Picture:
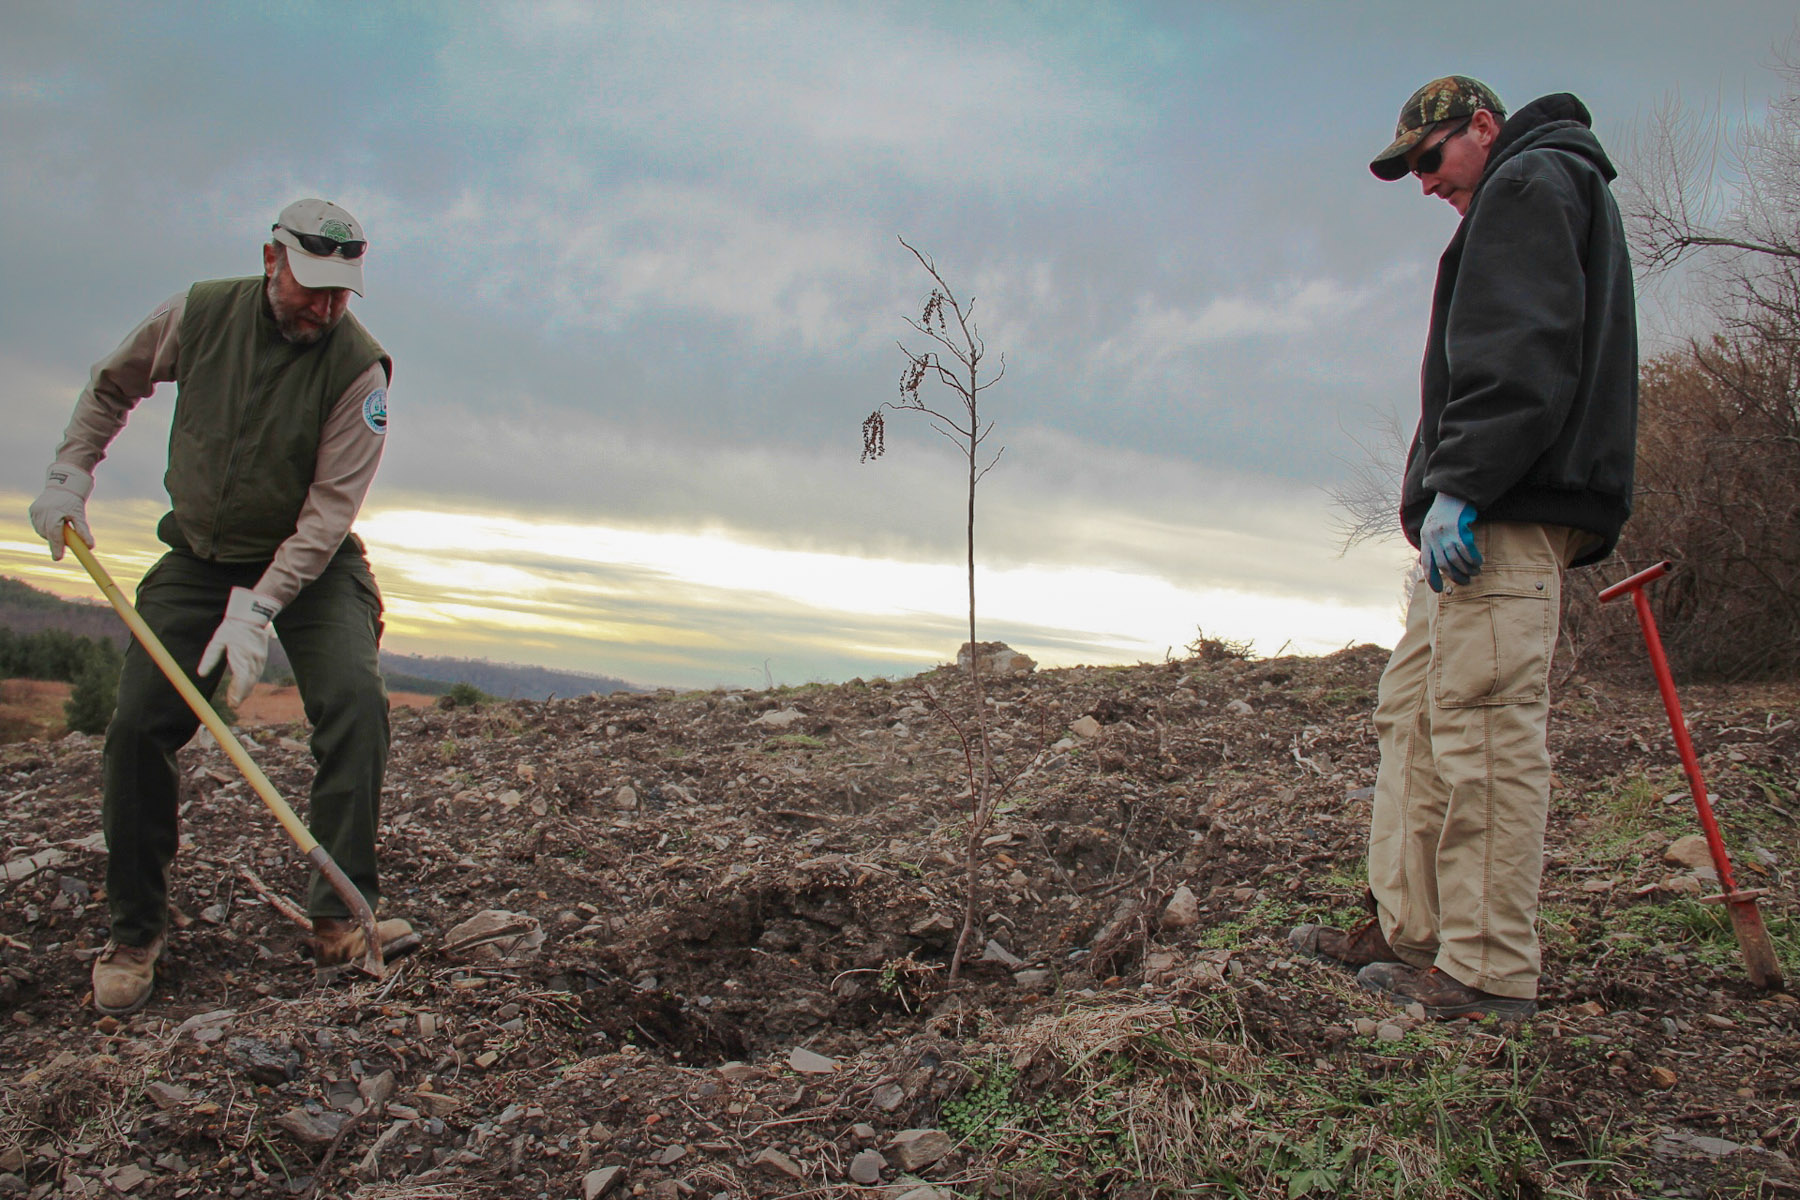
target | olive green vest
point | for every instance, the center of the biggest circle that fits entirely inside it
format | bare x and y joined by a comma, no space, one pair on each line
245,440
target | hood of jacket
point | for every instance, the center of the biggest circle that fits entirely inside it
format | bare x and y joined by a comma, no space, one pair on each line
1555,122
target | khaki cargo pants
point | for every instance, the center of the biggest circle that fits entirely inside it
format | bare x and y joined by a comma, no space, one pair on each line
1456,841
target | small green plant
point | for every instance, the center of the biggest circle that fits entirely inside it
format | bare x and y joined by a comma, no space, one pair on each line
908,981
90,704
992,1108
465,695
1313,1166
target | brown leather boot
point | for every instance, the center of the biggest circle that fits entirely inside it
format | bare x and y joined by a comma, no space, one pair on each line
1443,997
124,975
1356,947
339,940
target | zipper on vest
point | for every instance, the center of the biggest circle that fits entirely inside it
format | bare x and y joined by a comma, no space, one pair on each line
259,386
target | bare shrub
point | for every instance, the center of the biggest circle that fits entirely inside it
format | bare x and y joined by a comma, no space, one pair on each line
1719,495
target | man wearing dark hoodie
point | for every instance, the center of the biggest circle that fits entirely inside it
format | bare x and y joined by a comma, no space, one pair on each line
1521,466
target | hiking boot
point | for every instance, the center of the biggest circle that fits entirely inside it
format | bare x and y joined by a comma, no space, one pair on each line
124,975
1358,947
1443,997
339,940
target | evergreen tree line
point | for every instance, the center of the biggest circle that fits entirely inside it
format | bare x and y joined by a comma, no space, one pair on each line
90,664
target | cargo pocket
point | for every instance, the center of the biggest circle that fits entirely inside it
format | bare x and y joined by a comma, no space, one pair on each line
1493,638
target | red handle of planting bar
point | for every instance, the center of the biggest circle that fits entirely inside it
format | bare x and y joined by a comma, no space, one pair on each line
1665,683
1648,575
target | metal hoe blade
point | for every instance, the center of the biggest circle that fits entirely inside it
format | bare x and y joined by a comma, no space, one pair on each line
302,836
1760,962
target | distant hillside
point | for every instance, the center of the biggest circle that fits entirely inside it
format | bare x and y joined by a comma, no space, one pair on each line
509,681
25,609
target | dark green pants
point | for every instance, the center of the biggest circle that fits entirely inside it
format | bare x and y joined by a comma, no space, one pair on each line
330,632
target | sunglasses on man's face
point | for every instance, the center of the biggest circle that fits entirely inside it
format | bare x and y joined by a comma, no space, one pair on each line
324,247
1432,159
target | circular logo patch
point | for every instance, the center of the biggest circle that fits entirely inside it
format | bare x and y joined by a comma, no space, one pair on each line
375,411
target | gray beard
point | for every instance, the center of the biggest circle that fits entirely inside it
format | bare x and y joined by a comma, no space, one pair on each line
287,324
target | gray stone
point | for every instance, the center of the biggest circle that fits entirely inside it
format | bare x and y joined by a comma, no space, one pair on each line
1676,1141
994,952
376,1090
867,1166
596,1184
780,718
737,1072
1182,910
997,658
309,1129
265,1062
916,1149
495,934
888,1097
1033,980
808,1063
167,1095
625,799
774,1162
1690,851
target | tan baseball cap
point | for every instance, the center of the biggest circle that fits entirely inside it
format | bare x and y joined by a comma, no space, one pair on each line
325,244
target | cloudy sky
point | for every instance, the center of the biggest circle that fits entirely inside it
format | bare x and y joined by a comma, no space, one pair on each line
638,268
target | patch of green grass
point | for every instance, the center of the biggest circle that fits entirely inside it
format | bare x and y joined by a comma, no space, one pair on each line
1154,1100
1560,929
1630,818
1272,915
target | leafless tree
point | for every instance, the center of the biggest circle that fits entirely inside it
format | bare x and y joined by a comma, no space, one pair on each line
1368,500
1693,188
954,359
1719,423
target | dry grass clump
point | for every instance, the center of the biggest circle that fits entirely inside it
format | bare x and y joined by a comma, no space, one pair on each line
1154,1099
73,1096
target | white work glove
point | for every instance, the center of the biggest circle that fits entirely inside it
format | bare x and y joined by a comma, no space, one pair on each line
243,640
66,490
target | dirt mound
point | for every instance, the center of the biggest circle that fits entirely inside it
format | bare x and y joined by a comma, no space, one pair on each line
698,945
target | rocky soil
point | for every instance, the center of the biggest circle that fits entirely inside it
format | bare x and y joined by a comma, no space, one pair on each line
698,945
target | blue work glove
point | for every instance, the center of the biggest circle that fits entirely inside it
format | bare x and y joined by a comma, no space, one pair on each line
1447,542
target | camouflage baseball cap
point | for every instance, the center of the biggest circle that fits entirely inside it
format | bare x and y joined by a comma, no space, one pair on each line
1440,100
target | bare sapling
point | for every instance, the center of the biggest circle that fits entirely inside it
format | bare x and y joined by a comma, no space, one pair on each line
953,360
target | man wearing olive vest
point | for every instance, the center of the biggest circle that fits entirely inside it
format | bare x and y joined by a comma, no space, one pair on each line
280,417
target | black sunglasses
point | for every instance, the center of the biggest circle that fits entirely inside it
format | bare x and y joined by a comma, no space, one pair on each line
324,247
1433,158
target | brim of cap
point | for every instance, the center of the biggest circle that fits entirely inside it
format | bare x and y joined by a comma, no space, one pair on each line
310,270
1390,164
334,272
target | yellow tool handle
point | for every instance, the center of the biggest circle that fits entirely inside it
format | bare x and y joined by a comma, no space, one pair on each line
227,740
303,838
